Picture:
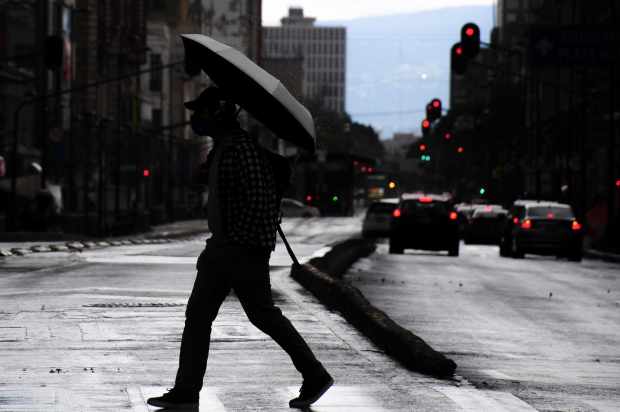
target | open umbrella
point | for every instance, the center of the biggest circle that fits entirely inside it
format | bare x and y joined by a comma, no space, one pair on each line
252,88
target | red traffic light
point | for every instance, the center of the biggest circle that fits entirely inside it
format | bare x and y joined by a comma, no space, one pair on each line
356,163
447,135
309,198
422,147
146,172
435,103
426,123
459,50
460,150
469,32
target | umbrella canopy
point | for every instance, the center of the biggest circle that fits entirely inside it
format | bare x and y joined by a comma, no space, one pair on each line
252,88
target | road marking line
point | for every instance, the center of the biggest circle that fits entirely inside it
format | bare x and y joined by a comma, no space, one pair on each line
208,398
498,375
474,400
343,399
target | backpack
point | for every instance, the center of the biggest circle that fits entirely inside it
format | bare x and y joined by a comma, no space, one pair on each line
282,180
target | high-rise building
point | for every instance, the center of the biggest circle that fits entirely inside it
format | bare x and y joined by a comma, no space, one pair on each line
323,50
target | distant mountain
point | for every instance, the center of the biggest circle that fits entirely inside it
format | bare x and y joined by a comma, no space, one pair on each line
387,57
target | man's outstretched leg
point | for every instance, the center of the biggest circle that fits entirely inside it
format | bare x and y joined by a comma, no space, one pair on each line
210,290
247,271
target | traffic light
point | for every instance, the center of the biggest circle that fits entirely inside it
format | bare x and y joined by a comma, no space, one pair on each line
191,68
429,111
422,148
460,150
435,109
458,63
392,185
425,158
53,52
470,40
426,127
146,172
447,136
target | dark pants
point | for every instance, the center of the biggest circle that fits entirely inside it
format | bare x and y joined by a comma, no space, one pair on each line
222,267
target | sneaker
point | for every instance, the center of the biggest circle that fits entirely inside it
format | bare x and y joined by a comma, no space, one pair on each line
311,391
175,399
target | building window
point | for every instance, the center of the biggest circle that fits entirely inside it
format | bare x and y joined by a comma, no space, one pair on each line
155,81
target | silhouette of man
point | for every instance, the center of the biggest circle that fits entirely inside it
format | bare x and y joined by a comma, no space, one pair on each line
243,222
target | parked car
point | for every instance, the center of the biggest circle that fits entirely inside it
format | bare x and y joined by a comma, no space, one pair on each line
547,229
377,220
426,222
465,212
293,208
517,209
484,225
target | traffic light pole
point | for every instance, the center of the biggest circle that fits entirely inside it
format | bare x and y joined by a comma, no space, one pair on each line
12,211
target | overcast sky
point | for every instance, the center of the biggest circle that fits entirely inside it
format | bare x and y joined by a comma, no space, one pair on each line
274,10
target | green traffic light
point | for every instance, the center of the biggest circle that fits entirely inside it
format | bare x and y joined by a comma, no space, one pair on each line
481,191
335,198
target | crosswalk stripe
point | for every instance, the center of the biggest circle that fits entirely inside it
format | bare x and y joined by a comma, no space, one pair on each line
474,400
209,400
344,399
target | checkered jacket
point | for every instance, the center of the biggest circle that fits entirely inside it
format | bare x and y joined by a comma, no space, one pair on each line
246,192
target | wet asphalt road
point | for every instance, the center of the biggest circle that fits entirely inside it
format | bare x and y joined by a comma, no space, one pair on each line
545,330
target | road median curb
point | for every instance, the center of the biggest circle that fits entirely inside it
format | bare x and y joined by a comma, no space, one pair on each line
395,340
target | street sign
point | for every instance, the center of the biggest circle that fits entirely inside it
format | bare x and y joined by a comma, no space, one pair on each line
574,45
575,163
57,151
560,162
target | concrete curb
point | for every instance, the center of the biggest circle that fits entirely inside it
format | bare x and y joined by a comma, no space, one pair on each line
595,254
395,340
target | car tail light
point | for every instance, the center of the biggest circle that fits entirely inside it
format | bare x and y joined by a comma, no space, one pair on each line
469,218
576,225
426,199
550,215
488,208
453,216
515,220
397,213
527,224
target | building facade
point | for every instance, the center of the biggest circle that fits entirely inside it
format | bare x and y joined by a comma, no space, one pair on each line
323,50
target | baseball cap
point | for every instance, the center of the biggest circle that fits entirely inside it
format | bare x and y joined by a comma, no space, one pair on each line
211,96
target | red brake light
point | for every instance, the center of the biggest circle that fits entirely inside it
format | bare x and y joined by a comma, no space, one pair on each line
469,218
576,225
550,215
364,169
488,208
515,220
426,199
396,213
453,216
527,224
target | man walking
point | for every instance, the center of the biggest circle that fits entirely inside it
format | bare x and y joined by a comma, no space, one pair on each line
243,221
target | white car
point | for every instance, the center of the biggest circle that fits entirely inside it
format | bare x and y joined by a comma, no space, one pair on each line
378,216
293,208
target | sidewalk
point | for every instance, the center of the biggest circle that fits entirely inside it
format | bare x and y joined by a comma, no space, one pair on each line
174,230
110,348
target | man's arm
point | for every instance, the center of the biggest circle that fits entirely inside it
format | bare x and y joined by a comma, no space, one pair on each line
201,171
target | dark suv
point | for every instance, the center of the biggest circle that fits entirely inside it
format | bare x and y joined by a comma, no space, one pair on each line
426,222
517,209
546,229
